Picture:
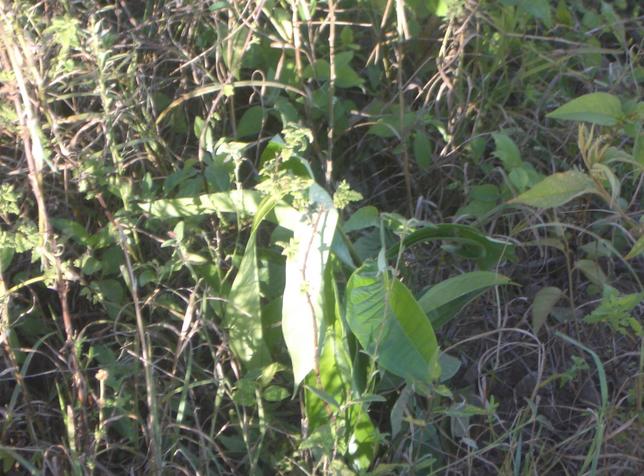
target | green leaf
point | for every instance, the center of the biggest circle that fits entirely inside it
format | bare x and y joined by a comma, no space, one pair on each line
637,249
347,77
275,393
542,306
487,252
603,109
306,259
593,271
6,256
243,202
71,229
519,178
557,189
615,310
449,366
485,193
251,122
422,150
337,380
446,299
243,312
389,125
390,325
539,9
364,217
507,151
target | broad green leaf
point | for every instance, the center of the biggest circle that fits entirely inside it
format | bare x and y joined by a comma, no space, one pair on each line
243,318
440,8
483,199
539,9
593,271
306,258
6,256
364,217
520,178
446,299
251,122
557,189
449,366
476,208
542,306
389,125
637,249
603,109
485,193
563,14
275,393
347,77
72,229
507,151
390,325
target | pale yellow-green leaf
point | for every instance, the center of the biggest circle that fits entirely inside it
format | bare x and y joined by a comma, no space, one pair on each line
557,189
597,108
592,271
304,271
637,249
542,305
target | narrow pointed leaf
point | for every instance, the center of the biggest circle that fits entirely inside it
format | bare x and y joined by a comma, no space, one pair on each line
243,312
446,299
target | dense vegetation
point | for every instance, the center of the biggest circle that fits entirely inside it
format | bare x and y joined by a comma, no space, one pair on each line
321,237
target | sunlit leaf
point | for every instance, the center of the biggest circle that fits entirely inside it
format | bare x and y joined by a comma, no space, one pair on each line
487,252
364,217
306,259
337,382
446,299
507,151
637,249
598,108
390,325
243,202
243,319
557,189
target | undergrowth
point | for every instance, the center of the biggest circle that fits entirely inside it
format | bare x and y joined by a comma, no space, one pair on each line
302,237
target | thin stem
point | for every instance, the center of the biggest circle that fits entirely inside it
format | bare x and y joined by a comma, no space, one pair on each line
332,77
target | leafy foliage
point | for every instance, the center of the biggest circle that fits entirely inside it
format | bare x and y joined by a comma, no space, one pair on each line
308,237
